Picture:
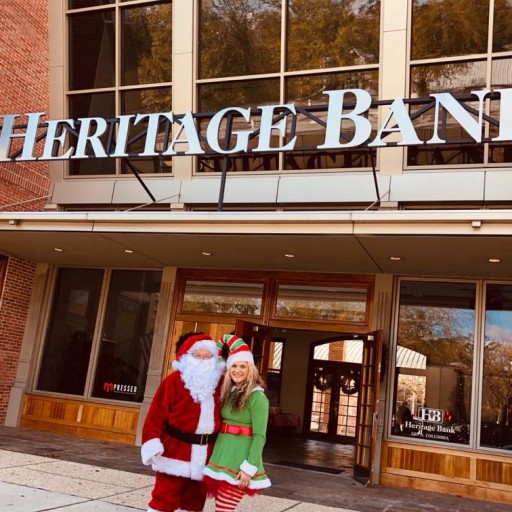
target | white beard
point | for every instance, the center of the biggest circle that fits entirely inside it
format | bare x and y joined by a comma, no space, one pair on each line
200,376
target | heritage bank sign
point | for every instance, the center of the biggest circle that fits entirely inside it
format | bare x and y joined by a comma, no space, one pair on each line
345,124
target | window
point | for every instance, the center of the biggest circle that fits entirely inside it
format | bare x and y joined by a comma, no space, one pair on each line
219,297
120,62
496,419
122,351
275,370
458,47
434,361
68,343
256,63
326,303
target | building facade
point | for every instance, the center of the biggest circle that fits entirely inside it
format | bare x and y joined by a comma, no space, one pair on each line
371,279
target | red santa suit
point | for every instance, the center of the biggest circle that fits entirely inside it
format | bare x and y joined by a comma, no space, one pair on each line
169,443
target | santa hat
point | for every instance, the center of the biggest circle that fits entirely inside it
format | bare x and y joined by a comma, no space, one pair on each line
194,343
236,348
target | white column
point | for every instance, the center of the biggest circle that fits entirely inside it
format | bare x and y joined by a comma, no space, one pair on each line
159,345
183,73
393,76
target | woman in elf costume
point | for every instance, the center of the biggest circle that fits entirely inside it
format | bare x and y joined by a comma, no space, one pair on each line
236,466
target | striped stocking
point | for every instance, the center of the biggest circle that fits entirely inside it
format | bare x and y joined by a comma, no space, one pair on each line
228,498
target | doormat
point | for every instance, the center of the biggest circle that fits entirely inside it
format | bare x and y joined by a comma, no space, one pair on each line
321,469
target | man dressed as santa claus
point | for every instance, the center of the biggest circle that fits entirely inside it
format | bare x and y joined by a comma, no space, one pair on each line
182,424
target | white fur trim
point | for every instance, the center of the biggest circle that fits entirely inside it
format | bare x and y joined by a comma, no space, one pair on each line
260,484
171,466
192,469
209,345
206,422
205,425
248,468
152,510
245,355
198,461
253,484
150,449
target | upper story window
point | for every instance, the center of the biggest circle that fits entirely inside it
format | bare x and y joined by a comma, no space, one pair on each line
120,63
459,47
254,53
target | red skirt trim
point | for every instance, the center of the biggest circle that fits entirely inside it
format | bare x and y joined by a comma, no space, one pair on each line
213,486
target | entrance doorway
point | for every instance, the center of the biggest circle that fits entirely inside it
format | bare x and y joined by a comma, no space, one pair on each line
333,392
328,385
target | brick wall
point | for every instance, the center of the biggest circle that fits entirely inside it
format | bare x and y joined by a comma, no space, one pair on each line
24,185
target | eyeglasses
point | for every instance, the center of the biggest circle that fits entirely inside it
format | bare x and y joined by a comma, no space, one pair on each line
202,356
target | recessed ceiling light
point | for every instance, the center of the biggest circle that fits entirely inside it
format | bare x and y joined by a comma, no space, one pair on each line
289,255
395,258
128,251
494,260
206,253
58,249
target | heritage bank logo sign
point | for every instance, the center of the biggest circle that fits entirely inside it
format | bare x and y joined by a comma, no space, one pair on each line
344,122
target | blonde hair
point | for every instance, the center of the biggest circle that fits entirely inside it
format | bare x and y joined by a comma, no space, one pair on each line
241,393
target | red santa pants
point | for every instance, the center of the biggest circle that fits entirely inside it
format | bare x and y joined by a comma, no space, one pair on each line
174,492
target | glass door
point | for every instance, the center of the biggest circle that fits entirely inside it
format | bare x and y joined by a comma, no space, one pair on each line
257,336
334,392
368,411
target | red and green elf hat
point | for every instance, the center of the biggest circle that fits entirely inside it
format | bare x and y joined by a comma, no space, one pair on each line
238,350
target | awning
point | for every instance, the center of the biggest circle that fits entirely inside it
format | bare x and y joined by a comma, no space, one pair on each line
430,243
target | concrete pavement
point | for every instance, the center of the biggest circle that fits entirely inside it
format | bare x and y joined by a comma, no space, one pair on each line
30,483
43,471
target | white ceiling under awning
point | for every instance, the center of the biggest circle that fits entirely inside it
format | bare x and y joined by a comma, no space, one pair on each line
439,243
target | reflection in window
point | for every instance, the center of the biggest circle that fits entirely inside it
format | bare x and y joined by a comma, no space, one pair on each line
501,77
239,37
81,4
274,371
146,101
308,91
252,93
129,45
349,351
445,28
146,45
434,361
332,33
127,335
91,105
457,78
248,94
496,419
223,297
502,26
321,303
93,68
68,343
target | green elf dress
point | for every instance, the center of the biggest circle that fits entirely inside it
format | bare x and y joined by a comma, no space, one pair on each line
235,452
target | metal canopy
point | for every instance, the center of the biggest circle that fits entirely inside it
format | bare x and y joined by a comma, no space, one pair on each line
444,244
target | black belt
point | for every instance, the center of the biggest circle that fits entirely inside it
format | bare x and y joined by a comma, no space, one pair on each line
189,438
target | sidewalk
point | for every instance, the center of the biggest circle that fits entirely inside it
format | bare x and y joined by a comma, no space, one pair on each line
29,483
44,471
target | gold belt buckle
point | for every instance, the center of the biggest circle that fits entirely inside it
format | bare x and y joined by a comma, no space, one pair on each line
204,439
